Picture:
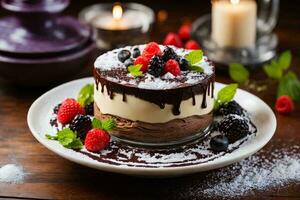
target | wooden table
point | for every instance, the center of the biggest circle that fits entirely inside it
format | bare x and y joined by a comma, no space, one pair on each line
52,177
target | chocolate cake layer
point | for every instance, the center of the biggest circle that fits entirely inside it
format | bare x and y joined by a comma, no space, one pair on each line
174,130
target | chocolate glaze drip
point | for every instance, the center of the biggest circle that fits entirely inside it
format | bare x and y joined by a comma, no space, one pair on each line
172,96
204,103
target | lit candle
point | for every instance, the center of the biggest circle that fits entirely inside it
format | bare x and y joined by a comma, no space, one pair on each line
234,23
119,20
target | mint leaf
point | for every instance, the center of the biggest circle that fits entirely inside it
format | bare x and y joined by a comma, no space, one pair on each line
75,144
96,123
135,70
289,85
194,57
66,136
285,59
86,95
238,73
51,137
227,93
196,68
108,124
273,70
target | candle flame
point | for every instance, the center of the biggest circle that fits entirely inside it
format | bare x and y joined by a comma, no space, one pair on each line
117,11
234,2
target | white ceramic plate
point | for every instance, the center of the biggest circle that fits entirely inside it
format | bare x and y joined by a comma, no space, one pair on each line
41,110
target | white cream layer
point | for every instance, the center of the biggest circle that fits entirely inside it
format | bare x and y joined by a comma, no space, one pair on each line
136,109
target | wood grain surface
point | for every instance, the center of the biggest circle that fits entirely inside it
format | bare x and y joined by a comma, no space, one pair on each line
49,176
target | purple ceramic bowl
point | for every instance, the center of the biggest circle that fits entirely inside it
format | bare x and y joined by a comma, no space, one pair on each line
48,70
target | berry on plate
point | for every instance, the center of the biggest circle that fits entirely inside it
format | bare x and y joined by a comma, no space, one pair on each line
172,66
184,32
284,104
81,124
68,110
96,140
151,49
234,127
143,61
192,44
231,107
219,143
173,39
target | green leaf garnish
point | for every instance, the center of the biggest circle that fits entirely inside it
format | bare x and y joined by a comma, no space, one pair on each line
51,137
238,73
285,59
86,95
196,68
106,124
194,57
67,138
135,70
276,68
273,70
96,123
225,95
289,85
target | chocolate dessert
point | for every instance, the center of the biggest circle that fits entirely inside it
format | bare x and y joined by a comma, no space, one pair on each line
156,94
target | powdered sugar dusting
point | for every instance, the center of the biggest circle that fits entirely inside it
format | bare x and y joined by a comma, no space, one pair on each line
263,171
11,173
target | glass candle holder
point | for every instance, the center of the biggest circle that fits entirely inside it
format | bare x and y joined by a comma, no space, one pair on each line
119,25
234,43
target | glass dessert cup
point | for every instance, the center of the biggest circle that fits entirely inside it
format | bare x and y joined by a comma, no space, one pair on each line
154,110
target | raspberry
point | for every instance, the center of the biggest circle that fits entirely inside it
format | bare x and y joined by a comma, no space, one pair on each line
184,31
68,110
192,44
156,66
169,53
96,140
173,39
172,66
143,61
151,50
233,127
81,124
284,104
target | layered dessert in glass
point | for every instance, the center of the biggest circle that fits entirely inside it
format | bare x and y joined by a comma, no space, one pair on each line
158,95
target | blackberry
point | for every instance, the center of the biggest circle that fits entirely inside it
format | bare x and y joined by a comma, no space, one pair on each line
231,108
81,124
89,109
184,64
219,143
169,53
56,108
234,127
156,66
128,62
136,52
124,55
